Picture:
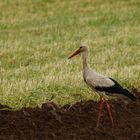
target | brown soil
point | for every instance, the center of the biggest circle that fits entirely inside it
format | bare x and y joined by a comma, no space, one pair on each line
76,122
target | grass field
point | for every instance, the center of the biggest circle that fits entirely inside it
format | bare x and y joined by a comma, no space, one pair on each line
37,36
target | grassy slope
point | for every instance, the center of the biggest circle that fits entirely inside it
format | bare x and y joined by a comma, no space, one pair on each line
37,36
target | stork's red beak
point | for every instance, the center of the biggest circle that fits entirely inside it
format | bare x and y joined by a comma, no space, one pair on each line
75,53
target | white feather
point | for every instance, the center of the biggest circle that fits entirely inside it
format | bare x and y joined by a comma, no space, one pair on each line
94,79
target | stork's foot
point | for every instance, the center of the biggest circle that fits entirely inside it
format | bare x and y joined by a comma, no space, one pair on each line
110,113
100,113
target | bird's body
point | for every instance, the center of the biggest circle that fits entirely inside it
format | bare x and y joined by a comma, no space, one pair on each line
102,84
94,79
105,85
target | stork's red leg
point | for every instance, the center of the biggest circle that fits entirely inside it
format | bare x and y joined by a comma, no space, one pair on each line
100,111
110,113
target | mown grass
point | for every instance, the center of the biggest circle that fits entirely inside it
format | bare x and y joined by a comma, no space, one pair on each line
36,38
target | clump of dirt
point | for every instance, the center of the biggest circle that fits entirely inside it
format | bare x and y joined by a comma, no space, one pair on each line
76,122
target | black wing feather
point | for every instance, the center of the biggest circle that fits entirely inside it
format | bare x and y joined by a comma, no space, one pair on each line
116,88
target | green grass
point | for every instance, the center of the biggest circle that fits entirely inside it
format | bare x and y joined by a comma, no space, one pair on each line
37,36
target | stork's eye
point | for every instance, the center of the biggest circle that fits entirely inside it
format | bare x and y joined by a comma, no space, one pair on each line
80,47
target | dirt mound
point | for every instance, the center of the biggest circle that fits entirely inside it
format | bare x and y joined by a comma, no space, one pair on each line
76,122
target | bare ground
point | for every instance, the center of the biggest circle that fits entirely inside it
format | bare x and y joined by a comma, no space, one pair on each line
76,122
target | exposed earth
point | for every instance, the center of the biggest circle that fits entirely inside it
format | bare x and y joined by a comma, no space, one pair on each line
76,122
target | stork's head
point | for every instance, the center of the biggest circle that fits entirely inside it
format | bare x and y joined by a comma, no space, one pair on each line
81,49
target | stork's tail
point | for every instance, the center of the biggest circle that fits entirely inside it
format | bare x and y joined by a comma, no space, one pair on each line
129,95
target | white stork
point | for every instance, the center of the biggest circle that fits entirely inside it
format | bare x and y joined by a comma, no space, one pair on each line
103,85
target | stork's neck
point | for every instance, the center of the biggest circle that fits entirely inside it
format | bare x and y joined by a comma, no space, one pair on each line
85,59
